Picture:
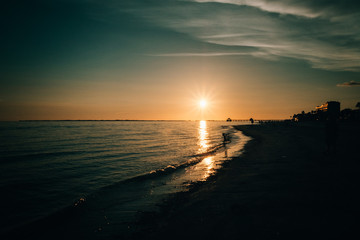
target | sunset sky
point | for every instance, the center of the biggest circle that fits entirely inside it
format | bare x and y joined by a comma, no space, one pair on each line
157,59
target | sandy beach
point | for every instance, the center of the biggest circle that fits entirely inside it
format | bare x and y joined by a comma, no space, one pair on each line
284,186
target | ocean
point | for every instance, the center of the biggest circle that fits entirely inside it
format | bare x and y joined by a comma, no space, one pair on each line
110,170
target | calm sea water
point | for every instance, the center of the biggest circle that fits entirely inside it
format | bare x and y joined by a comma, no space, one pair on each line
116,167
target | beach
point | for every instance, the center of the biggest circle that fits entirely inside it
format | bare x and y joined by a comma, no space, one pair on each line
284,186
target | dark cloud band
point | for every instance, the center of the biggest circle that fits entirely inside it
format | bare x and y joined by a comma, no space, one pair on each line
349,84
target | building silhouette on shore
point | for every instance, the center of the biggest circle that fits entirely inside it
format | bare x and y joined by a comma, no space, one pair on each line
324,111
331,107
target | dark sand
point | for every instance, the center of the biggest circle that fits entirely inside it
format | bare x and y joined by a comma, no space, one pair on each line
282,187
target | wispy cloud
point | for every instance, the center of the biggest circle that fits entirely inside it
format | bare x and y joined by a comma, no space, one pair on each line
281,7
349,84
194,54
324,33
301,8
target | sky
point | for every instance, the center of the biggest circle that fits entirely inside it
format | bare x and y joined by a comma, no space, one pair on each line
157,59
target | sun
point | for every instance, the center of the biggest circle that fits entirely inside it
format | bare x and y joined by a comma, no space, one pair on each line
203,103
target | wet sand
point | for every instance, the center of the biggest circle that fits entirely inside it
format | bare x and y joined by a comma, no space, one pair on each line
282,187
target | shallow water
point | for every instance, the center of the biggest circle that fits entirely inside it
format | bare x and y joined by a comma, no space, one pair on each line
116,167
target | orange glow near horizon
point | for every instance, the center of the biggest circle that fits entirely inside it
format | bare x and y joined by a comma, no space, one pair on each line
111,102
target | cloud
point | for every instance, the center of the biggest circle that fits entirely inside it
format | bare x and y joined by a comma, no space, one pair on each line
194,54
302,8
327,43
281,7
216,54
324,33
349,84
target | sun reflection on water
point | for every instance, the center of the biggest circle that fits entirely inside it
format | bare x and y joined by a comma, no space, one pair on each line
203,137
207,164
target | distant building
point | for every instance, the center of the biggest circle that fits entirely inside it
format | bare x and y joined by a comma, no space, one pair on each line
328,110
331,107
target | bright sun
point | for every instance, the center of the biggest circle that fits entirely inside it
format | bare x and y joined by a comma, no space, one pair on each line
202,103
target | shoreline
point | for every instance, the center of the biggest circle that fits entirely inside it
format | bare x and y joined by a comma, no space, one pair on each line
283,186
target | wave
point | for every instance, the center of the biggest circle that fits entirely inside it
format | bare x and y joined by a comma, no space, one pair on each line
194,159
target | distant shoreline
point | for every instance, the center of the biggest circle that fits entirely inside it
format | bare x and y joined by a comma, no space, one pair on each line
141,120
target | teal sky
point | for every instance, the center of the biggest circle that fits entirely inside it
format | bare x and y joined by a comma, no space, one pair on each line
156,59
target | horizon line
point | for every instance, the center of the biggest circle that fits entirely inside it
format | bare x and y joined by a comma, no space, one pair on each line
129,120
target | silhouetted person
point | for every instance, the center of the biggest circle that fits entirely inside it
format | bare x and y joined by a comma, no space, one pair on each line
252,121
331,129
225,137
